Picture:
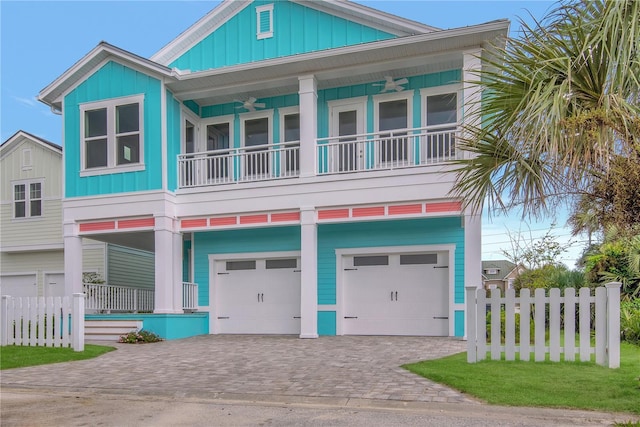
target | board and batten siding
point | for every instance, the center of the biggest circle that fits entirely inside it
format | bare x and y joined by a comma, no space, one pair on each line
130,267
296,29
114,80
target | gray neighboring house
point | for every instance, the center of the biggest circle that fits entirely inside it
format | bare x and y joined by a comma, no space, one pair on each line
500,274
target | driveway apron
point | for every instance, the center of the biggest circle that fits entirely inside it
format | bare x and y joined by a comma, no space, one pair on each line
338,367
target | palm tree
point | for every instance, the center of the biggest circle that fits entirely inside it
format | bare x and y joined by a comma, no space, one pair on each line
559,103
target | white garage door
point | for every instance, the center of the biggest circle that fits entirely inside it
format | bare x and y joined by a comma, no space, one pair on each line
23,285
258,296
396,294
54,284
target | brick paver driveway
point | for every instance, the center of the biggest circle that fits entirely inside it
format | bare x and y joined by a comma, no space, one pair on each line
227,365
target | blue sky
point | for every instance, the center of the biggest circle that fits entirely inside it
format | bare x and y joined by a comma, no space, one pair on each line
39,40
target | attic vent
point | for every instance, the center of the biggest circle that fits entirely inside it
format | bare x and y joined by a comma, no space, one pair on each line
264,19
27,161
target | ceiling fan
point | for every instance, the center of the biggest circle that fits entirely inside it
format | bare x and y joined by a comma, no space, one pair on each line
250,104
390,84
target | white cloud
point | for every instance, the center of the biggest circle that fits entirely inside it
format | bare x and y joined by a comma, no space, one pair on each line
30,102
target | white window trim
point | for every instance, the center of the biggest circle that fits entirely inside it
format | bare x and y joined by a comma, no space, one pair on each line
27,199
111,105
283,112
266,34
386,97
189,115
217,120
441,90
256,115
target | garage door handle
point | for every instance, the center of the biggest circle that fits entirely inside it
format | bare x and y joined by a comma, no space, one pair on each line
223,317
441,317
440,266
350,317
222,273
350,269
296,317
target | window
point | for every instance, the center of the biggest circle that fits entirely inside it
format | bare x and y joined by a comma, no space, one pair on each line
27,200
264,21
441,119
272,264
370,260
218,138
290,133
415,259
256,137
112,136
241,265
393,112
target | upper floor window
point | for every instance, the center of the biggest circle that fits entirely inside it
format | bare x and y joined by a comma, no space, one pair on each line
264,20
27,199
112,135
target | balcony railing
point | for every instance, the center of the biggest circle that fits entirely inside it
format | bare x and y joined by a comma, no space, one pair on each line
103,298
256,163
386,150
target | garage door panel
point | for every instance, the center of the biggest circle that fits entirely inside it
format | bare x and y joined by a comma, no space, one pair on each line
20,285
405,296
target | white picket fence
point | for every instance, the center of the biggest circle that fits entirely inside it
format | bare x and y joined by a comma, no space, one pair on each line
40,321
607,325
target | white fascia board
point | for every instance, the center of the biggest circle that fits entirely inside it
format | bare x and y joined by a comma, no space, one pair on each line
51,95
471,32
198,31
368,16
20,137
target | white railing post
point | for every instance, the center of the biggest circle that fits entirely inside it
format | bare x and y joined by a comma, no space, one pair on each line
471,323
4,320
601,325
613,324
77,319
481,323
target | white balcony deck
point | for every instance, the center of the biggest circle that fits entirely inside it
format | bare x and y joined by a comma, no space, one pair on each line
403,148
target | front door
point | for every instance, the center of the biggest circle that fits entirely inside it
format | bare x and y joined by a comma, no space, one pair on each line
347,122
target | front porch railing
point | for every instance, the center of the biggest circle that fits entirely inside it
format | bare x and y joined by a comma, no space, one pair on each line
395,149
189,296
256,163
103,298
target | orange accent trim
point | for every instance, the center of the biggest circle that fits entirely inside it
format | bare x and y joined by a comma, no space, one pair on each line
192,223
333,213
444,207
405,209
285,216
98,226
136,223
370,211
227,220
254,219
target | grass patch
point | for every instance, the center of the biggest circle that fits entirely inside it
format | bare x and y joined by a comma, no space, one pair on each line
578,385
14,356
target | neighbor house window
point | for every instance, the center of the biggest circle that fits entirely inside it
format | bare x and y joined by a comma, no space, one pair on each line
112,135
27,199
264,21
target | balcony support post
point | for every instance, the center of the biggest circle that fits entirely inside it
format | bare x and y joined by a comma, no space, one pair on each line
168,256
72,259
308,91
309,279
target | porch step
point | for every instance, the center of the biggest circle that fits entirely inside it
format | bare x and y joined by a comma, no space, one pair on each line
109,330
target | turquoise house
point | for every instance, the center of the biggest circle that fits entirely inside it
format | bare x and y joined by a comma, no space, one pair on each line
289,164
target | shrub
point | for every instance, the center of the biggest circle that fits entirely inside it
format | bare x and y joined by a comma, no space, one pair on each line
140,336
630,321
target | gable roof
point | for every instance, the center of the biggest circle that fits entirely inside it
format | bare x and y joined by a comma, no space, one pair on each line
503,268
17,138
341,8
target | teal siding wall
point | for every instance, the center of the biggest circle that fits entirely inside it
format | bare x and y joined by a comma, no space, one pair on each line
431,231
111,81
459,325
326,323
174,138
238,241
167,326
297,29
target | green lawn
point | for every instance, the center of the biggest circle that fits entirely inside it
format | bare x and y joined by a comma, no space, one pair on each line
20,356
579,385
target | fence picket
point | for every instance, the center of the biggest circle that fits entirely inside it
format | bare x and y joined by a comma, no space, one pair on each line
570,324
584,305
495,324
471,323
601,325
65,312
40,322
481,319
510,325
554,325
539,325
525,325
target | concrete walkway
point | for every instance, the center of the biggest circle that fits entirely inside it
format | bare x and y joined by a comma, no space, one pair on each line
267,367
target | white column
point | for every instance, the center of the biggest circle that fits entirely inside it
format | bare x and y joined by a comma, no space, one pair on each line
165,254
309,279
308,91
472,249
471,64
72,259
